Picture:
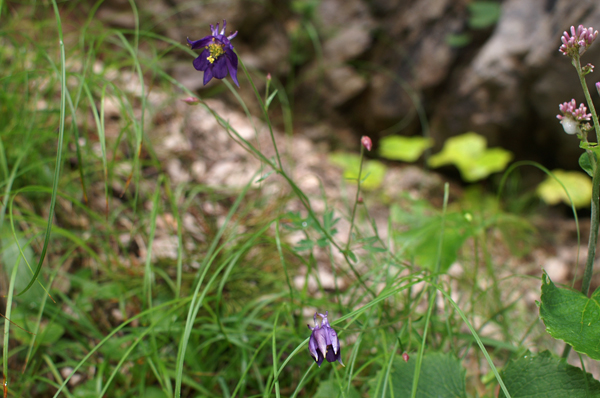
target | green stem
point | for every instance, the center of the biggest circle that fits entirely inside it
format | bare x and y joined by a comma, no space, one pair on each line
362,158
589,265
593,242
588,98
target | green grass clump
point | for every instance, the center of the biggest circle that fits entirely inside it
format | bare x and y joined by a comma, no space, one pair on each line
94,313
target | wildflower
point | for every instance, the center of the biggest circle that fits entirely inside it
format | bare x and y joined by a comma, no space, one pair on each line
572,116
405,356
191,100
366,142
587,69
578,41
324,342
217,57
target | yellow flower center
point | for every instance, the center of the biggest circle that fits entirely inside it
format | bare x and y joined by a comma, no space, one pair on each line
216,50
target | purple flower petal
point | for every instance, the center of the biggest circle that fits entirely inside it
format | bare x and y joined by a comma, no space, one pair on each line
201,63
200,43
207,75
232,64
320,339
219,68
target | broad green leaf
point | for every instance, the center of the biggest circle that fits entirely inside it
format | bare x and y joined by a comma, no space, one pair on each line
572,317
421,241
584,163
48,333
372,174
407,149
578,184
469,153
331,389
11,256
442,376
534,376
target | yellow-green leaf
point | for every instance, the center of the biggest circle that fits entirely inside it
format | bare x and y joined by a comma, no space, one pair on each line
578,184
407,149
469,153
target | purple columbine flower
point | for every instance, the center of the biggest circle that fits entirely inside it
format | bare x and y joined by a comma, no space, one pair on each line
572,116
324,342
578,41
217,58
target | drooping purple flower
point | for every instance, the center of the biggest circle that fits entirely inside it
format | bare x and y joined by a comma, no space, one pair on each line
217,57
324,342
578,41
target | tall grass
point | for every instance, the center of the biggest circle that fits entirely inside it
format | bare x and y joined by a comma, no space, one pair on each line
96,314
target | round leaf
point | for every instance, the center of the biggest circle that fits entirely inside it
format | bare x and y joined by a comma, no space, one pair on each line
576,183
406,149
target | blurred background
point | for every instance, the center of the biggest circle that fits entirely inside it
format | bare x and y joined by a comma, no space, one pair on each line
410,67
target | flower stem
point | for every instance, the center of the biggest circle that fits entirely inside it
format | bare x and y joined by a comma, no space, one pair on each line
362,158
589,265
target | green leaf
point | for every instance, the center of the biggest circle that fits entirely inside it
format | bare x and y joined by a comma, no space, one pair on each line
543,375
483,14
304,244
373,171
48,333
11,256
585,164
350,255
407,149
268,101
469,154
458,40
577,184
572,317
331,389
442,376
421,241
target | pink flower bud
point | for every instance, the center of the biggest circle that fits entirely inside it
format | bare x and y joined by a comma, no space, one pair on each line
598,87
405,356
268,76
191,100
366,142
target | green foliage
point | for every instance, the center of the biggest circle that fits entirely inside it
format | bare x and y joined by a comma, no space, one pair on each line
469,153
441,376
421,241
483,14
544,375
458,40
572,317
227,316
331,389
585,164
577,184
373,171
406,149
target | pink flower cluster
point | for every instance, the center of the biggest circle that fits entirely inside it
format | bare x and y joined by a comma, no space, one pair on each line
578,41
570,110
